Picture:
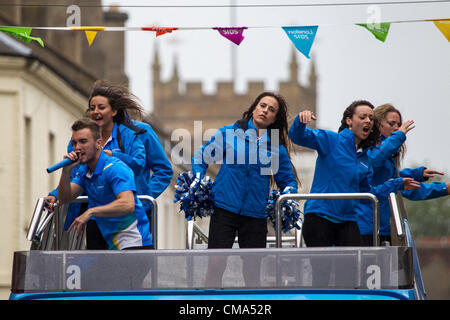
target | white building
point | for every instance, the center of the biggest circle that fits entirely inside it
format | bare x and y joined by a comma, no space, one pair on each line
38,107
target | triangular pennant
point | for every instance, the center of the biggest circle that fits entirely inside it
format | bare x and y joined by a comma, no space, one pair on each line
159,30
90,36
233,34
302,37
444,26
90,32
21,33
379,30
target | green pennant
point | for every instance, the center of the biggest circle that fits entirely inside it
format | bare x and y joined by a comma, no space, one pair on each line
21,33
379,30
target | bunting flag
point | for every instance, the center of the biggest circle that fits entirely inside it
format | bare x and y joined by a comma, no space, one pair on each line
233,34
379,30
90,36
302,37
444,26
159,30
91,32
21,33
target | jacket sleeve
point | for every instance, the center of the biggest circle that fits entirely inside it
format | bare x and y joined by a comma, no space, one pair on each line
285,176
426,191
134,155
208,153
388,148
416,173
383,190
316,139
158,163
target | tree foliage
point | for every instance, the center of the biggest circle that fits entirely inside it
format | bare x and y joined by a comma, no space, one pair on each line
429,218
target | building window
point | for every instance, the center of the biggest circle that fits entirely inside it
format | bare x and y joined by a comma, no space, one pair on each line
27,162
51,159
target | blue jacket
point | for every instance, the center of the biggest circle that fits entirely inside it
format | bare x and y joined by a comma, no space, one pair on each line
339,169
156,161
133,155
242,185
382,160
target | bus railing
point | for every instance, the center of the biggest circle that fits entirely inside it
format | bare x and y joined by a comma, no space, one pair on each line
195,235
326,196
393,202
46,226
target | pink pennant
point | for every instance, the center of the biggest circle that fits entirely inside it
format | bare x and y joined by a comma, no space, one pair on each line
233,34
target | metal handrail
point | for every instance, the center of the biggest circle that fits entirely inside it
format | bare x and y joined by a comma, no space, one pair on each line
154,218
41,229
404,234
192,230
37,225
396,215
37,213
327,196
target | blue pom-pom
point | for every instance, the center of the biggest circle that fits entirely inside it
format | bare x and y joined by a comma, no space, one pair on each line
194,195
290,213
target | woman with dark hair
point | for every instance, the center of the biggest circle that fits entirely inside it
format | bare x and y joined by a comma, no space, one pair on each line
112,107
341,167
124,107
252,150
280,121
385,161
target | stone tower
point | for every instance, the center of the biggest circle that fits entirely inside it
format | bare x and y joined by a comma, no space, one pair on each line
176,110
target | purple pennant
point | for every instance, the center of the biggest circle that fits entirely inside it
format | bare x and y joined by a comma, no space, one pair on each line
232,34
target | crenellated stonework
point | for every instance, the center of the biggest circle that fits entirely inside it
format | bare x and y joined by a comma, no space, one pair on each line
178,109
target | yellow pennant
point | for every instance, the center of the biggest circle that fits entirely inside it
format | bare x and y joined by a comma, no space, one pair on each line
91,32
444,26
90,35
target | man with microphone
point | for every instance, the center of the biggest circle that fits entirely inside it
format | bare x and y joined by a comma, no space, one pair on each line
109,184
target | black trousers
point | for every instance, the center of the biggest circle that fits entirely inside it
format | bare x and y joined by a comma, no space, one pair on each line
251,232
94,238
224,225
320,232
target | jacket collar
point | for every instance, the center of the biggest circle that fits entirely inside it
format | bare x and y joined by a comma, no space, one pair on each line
250,124
246,125
348,134
99,166
114,131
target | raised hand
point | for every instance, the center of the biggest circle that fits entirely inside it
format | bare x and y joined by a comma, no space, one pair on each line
410,184
429,173
306,116
407,126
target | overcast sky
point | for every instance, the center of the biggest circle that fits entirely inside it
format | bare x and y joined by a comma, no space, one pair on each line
410,70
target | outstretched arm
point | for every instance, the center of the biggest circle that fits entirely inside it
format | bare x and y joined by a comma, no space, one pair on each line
316,139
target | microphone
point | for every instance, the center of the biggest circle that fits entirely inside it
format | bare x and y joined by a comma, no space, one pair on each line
59,165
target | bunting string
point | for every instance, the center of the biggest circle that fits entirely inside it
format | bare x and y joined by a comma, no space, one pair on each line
125,28
301,36
267,5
